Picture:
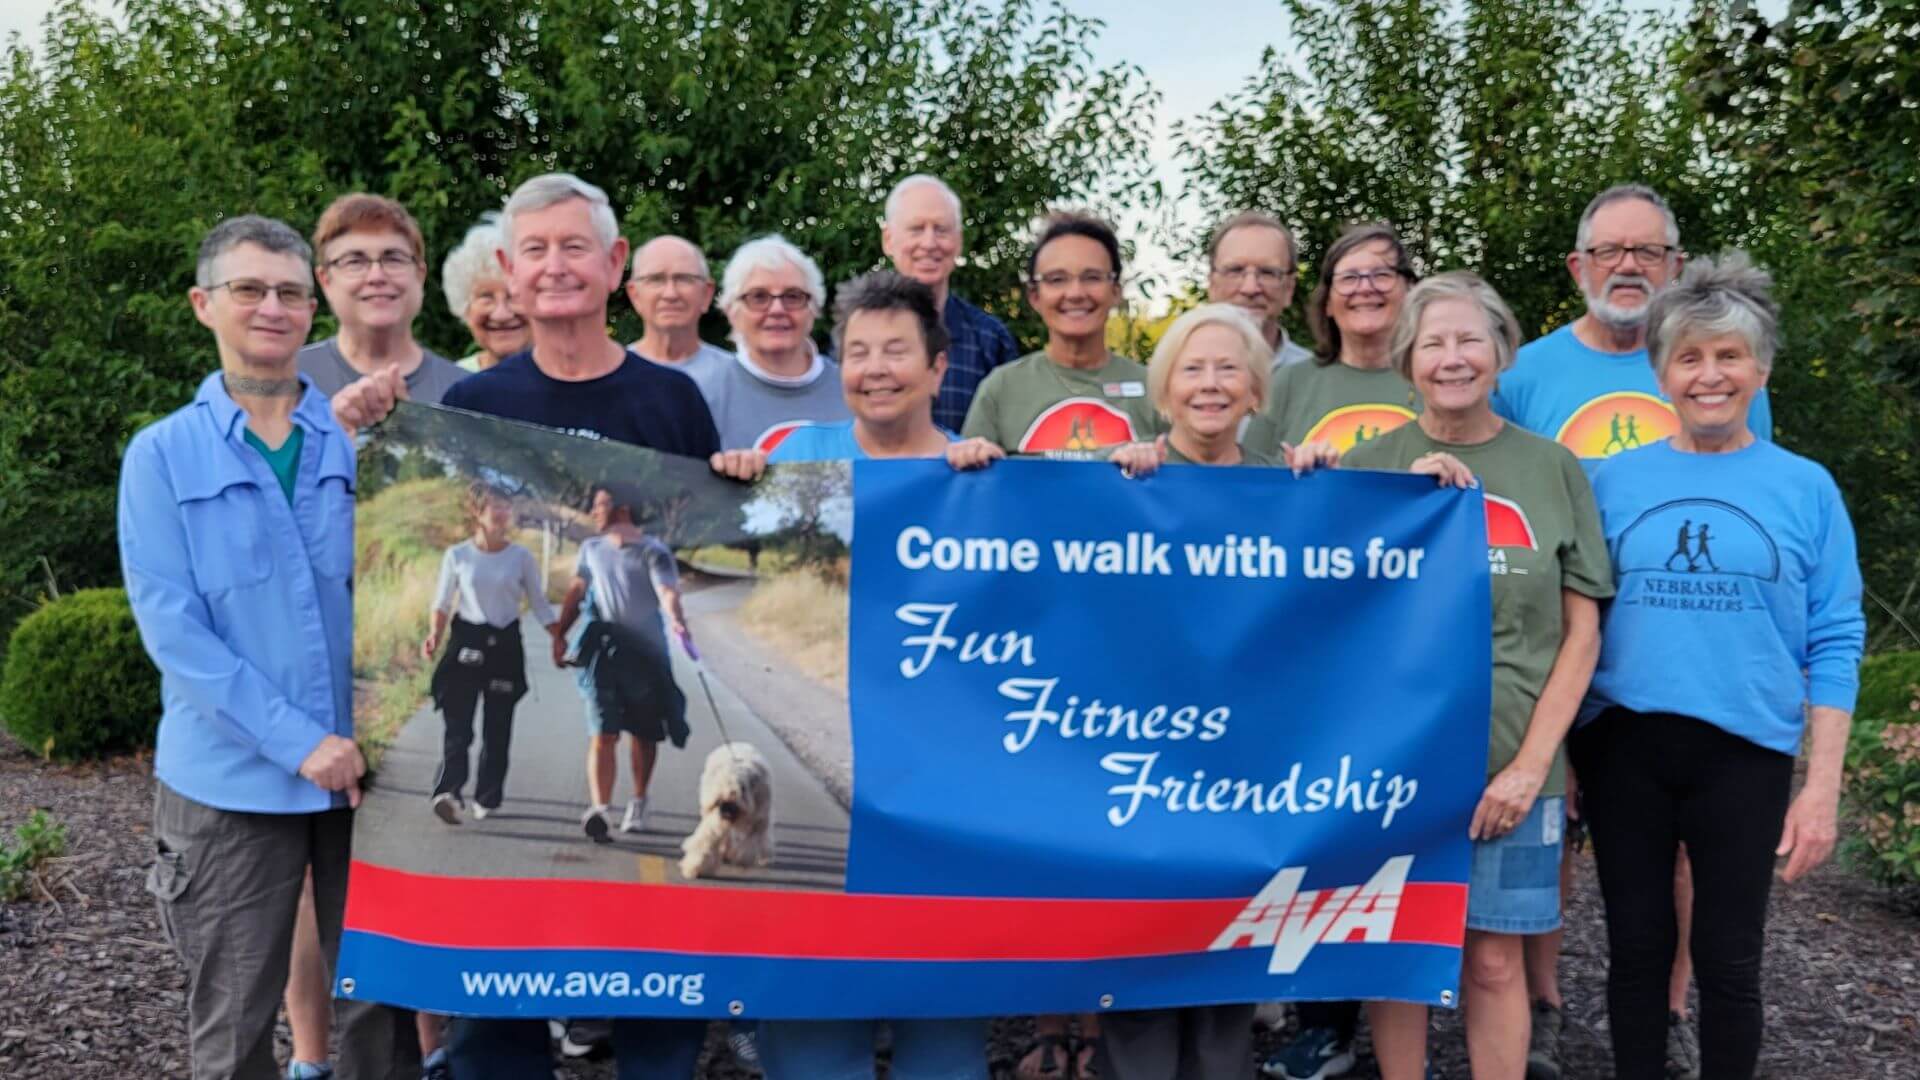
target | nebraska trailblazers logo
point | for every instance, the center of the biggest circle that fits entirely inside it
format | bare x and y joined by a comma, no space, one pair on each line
1610,423
777,434
1291,922
1351,425
1077,423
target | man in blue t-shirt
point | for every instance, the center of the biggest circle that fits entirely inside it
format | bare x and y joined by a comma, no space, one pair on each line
564,256
1588,385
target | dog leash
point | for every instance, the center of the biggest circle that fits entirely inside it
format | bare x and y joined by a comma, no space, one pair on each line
700,669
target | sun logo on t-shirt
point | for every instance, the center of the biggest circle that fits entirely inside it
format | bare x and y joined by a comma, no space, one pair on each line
1078,424
1351,425
777,434
1611,423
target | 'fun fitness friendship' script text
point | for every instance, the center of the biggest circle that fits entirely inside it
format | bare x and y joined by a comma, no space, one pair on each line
1127,733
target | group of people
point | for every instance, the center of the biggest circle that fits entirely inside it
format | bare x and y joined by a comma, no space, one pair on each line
1683,691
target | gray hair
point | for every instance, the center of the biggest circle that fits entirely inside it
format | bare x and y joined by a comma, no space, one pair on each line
266,233
698,255
770,253
473,262
1251,219
885,290
917,180
1583,235
1732,296
551,189
1259,354
1502,327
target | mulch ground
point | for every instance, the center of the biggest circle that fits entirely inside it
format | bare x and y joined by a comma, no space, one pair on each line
88,989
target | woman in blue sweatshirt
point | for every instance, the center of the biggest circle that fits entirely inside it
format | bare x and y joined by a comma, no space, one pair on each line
1736,630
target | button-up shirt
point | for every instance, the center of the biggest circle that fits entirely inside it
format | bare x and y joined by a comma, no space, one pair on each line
244,599
980,343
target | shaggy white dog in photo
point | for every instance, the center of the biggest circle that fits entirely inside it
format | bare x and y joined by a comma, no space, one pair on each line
736,813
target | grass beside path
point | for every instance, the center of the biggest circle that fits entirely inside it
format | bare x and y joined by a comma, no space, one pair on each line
805,617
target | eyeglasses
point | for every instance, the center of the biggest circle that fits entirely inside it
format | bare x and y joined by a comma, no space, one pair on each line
1060,279
1644,254
354,265
1268,277
1379,280
678,281
792,299
249,293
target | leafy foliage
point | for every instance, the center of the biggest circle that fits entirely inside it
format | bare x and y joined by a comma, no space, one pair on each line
715,119
1883,770
36,841
77,683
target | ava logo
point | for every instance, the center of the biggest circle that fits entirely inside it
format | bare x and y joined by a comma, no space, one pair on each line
1292,922
1698,538
777,434
1351,425
1077,424
1610,423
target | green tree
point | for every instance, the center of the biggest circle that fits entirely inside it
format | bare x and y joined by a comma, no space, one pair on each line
715,119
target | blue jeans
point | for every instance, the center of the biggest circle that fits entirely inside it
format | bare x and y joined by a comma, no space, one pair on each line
517,1049
843,1049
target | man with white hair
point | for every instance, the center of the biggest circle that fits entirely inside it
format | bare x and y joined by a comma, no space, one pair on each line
776,381
922,235
563,258
1588,385
670,289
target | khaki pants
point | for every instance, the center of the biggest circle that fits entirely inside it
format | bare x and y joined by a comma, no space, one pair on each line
228,888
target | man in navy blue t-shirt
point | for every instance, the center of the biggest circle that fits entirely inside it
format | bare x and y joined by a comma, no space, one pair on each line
564,258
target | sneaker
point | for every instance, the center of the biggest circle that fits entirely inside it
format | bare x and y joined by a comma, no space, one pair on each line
586,1038
745,1049
594,821
437,1066
309,1070
480,812
446,807
1271,1015
1543,1052
1314,1054
1683,1048
635,819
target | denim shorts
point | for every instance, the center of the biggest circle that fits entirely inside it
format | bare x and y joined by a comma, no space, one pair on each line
1514,887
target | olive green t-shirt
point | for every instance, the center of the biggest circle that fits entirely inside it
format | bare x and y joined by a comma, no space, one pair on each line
1247,456
1342,404
1035,406
1543,535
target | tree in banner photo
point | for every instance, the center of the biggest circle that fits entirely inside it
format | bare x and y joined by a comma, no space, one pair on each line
656,742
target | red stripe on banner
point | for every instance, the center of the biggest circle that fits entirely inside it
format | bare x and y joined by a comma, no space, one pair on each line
491,913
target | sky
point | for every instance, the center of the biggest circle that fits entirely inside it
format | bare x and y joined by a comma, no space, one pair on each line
1194,53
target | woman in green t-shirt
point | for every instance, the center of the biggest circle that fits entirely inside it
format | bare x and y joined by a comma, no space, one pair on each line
1550,570
1350,392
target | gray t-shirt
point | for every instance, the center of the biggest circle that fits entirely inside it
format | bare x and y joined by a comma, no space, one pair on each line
621,579
705,366
330,372
754,409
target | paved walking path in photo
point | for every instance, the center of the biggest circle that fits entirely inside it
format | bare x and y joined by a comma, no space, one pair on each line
537,833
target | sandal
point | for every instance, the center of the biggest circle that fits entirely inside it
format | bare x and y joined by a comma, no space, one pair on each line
1055,1059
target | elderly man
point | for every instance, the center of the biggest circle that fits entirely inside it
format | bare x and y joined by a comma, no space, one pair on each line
236,540
1588,385
1254,264
563,257
922,235
670,289
372,265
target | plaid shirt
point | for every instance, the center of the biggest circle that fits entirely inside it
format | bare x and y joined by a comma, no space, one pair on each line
980,344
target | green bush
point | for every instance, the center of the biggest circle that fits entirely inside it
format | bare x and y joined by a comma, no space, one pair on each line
36,841
1883,770
77,682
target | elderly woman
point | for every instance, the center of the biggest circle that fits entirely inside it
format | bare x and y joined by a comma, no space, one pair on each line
1452,340
771,292
893,350
1074,398
1737,627
1350,392
477,294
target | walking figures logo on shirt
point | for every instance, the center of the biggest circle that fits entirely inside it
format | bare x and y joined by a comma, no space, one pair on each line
1507,527
1076,426
1351,425
1690,555
1611,423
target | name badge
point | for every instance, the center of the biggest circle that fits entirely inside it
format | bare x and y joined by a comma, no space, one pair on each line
1132,388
